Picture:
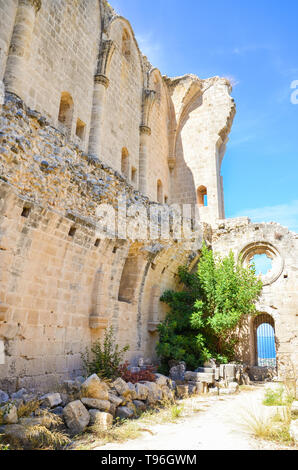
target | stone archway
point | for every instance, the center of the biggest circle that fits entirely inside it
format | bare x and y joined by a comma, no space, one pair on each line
263,341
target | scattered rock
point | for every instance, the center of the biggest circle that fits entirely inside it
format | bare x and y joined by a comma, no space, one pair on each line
9,414
177,372
182,391
103,420
234,387
76,416
123,412
117,401
93,387
140,405
51,400
121,387
141,391
161,380
154,393
103,405
57,411
3,397
133,393
19,394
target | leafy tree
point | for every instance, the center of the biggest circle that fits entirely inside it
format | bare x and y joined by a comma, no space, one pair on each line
204,315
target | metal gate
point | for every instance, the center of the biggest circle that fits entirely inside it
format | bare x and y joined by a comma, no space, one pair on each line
265,341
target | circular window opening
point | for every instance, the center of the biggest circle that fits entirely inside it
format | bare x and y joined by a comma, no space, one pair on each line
265,258
262,264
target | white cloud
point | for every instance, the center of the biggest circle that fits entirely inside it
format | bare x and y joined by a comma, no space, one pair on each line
284,214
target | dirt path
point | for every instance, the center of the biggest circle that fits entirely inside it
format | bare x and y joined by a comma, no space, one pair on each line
214,424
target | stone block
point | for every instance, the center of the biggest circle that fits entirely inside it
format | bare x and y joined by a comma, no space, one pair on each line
76,417
123,412
93,387
103,405
50,400
103,420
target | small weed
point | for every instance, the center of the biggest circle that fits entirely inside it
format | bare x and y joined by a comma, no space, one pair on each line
277,397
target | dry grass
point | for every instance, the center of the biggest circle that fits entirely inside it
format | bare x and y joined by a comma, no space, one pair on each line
40,437
275,429
25,409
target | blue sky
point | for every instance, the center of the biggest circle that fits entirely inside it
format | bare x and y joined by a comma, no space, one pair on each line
255,44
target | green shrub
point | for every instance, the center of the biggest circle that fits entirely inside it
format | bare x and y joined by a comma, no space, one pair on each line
105,358
277,397
205,313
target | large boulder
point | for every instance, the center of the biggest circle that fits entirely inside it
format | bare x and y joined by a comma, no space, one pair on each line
141,391
9,414
177,372
139,405
103,420
121,387
93,387
182,391
161,380
167,393
115,400
76,417
3,397
133,393
154,393
124,412
51,400
19,394
103,405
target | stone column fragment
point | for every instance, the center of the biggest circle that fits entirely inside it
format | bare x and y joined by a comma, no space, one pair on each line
149,97
15,73
101,83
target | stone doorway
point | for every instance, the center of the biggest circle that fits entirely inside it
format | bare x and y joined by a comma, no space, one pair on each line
264,341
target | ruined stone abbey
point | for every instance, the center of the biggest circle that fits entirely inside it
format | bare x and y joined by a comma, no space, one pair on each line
85,118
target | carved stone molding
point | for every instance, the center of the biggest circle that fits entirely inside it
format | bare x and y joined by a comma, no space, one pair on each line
149,97
153,326
172,162
104,59
34,3
145,130
102,80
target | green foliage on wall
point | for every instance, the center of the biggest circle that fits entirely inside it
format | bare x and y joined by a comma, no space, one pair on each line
204,315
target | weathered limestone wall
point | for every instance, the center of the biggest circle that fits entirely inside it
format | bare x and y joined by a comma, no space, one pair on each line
158,167
123,102
58,55
60,285
279,296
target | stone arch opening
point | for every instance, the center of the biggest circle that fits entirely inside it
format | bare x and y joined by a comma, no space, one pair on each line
202,196
66,109
159,192
125,162
126,44
264,340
